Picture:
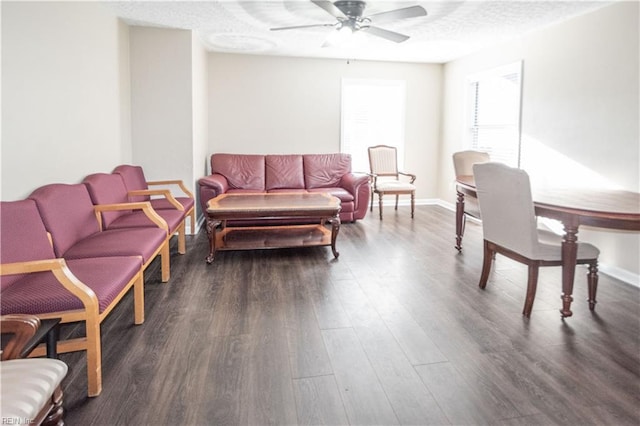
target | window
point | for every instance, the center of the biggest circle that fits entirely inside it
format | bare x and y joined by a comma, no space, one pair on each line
373,113
494,113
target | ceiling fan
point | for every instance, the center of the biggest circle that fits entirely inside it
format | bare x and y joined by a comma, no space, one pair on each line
349,14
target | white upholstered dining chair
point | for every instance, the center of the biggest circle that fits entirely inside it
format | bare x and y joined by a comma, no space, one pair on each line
509,228
386,178
463,162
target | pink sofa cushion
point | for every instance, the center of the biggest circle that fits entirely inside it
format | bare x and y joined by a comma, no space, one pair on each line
284,171
67,213
133,178
107,188
242,171
23,236
41,292
325,170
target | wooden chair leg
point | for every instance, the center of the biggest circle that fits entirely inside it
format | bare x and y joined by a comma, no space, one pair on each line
192,215
94,354
413,203
165,262
182,241
138,300
371,204
592,280
486,265
56,413
380,203
532,285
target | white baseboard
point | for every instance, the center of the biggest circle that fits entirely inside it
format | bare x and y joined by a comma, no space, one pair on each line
620,274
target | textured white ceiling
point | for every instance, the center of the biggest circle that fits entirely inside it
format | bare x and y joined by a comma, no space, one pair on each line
450,30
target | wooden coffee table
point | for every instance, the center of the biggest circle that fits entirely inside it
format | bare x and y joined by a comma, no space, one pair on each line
313,208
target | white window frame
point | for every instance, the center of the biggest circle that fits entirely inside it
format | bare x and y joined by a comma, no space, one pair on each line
356,139
506,149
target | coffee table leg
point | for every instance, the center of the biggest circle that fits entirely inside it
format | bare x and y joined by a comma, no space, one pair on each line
335,228
212,225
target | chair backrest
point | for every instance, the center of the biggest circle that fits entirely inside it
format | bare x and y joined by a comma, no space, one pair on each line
383,160
506,205
23,236
134,180
463,161
67,213
105,188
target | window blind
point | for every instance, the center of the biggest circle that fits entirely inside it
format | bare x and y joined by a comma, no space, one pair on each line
495,113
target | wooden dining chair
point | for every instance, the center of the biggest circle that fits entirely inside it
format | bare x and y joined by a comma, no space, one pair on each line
509,228
385,176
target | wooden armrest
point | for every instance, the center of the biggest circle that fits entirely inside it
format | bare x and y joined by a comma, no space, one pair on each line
411,175
173,182
145,206
62,273
164,192
23,327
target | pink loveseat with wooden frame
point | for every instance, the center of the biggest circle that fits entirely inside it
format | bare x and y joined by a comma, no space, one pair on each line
37,280
330,173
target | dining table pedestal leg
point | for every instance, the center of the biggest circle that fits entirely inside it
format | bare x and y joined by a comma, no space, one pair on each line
569,258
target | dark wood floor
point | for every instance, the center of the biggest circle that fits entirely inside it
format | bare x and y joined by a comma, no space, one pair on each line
394,332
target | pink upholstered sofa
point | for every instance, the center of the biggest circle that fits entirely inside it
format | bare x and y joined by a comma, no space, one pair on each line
330,173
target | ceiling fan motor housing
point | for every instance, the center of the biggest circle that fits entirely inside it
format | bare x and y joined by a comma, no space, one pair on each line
351,8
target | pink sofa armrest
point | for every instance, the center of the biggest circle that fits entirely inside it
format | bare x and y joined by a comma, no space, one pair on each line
352,181
211,186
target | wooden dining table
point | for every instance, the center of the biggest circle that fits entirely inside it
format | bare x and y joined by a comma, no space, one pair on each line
600,208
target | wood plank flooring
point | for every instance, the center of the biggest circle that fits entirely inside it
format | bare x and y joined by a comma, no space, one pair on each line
395,331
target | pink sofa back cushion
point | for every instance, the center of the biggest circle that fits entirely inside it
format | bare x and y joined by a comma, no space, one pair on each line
107,188
242,171
133,177
23,236
325,170
67,213
284,171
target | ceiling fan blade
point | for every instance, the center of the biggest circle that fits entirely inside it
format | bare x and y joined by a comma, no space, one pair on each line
386,34
302,26
330,8
391,15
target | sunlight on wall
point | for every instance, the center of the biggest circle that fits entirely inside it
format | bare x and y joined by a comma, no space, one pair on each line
548,167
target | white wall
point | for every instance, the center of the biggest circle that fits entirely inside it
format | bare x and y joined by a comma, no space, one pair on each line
200,112
64,91
263,105
579,111
161,102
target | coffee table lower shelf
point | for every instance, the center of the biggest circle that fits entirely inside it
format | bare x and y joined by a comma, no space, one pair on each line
272,237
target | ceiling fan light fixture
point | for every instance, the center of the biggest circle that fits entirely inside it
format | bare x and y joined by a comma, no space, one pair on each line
342,35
